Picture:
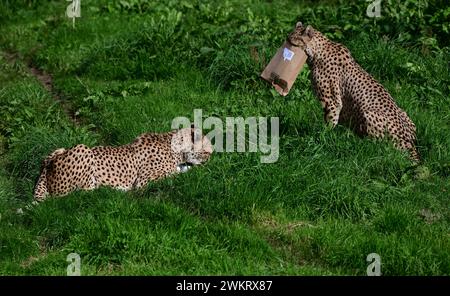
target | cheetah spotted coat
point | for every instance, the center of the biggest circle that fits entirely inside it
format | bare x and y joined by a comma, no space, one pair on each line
149,157
351,96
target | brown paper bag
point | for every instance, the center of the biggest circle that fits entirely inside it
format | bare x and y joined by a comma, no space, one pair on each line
284,67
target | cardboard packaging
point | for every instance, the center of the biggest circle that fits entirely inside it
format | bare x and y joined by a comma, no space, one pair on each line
284,67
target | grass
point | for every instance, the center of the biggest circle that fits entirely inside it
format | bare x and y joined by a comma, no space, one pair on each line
331,199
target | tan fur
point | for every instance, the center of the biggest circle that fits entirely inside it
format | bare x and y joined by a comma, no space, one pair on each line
149,157
351,96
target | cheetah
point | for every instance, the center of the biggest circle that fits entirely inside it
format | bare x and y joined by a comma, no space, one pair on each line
351,96
151,156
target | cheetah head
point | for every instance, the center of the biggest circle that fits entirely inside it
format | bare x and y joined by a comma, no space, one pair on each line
194,147
307,38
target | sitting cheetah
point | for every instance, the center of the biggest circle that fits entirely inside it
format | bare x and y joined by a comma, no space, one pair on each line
151,156
349,95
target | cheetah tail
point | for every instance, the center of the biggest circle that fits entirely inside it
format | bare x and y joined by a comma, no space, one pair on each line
415,157
409,130
41,190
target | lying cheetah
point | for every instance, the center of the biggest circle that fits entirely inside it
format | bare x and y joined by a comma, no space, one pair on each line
349,95
151,156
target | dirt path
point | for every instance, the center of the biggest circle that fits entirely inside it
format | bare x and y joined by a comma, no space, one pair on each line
45,79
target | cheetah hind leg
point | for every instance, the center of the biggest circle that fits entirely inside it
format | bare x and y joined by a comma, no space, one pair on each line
372,124
376,125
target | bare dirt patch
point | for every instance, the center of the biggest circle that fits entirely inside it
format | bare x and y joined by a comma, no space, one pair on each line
46,80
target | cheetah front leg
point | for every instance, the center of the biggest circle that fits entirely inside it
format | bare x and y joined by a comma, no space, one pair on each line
331,113
332,105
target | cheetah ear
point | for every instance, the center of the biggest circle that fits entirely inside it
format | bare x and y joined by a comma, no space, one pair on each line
309,31
298,25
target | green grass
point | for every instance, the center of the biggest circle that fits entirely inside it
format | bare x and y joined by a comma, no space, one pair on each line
331,199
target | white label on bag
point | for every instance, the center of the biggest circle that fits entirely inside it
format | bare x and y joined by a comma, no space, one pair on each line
288,54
